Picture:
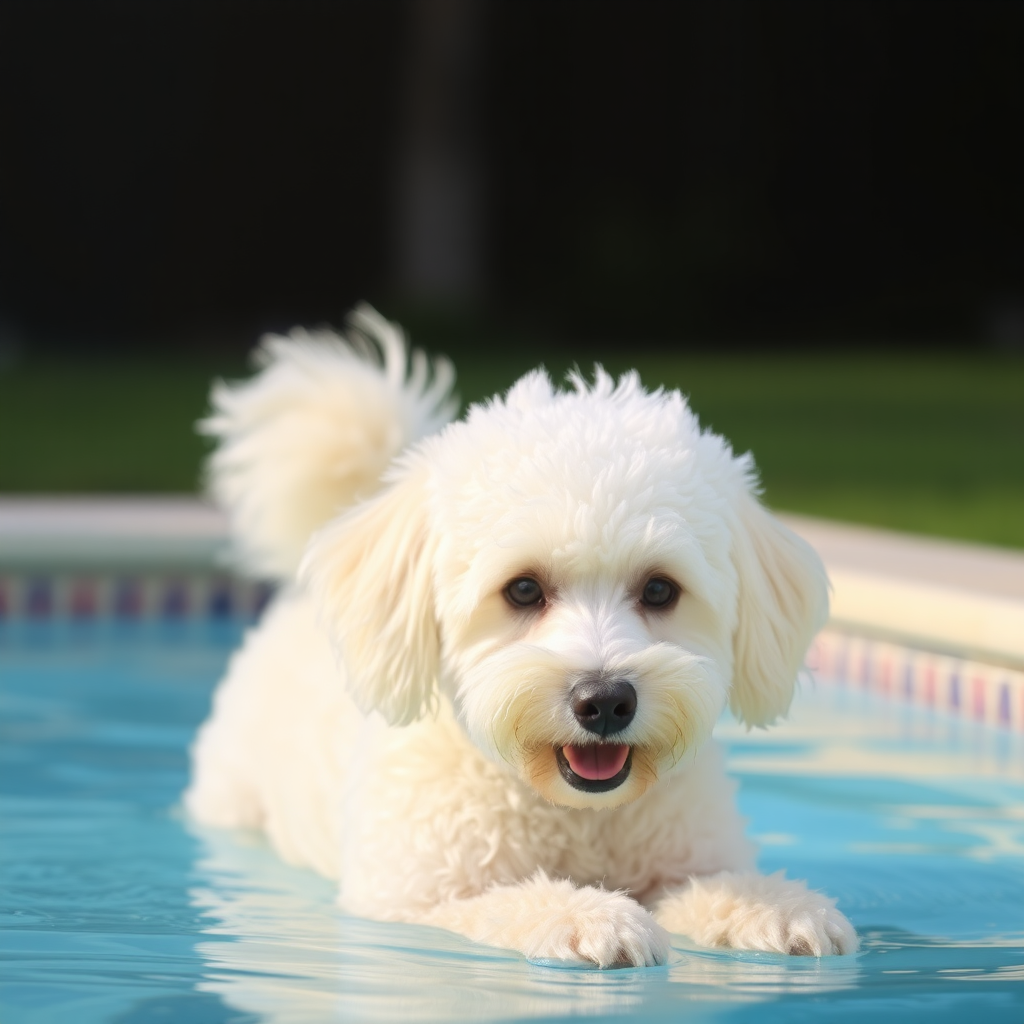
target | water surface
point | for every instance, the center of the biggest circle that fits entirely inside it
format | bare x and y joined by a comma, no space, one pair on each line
115,909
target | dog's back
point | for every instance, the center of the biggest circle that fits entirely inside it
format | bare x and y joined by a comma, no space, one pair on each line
314,431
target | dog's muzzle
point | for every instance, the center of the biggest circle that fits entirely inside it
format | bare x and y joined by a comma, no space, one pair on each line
603,707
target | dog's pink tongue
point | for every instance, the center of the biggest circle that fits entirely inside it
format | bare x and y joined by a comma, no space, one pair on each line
598,761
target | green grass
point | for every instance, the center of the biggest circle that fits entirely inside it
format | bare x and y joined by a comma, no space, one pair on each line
103,425
926,443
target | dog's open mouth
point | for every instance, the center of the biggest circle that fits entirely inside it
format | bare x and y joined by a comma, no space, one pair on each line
596,767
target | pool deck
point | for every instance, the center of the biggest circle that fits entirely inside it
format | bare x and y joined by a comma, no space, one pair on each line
110,532
962,599
965,599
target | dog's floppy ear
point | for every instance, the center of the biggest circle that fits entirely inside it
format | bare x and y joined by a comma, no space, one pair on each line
783,602
371,576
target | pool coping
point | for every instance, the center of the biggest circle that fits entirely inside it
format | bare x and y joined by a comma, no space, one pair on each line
92,533
948,596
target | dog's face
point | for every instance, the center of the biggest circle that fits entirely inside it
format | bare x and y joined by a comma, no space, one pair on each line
586,575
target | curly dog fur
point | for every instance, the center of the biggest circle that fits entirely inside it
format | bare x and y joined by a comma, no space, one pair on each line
484,696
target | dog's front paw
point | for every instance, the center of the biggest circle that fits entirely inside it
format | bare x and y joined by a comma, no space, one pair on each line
548,919
770,913
604,928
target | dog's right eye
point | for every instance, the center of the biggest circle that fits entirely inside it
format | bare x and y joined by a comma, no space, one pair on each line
524,592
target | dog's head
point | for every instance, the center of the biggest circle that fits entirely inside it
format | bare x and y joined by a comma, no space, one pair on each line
585,574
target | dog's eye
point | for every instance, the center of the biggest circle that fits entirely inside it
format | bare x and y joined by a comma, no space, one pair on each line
658,592
524,592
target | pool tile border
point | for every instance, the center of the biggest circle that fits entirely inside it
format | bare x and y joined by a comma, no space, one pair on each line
966,689
128,595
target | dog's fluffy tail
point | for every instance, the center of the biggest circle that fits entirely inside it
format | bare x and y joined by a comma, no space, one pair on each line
314,430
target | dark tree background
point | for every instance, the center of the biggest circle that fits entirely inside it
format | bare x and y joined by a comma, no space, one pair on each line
711,172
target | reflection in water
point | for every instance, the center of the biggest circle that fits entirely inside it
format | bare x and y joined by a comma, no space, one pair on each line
296,958
754,977
846,733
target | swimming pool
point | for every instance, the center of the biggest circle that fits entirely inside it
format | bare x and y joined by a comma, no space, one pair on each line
115,908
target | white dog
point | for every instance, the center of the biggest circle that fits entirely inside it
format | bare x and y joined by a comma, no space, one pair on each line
484,700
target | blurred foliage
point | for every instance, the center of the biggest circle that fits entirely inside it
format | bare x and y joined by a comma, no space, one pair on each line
103,424
932,443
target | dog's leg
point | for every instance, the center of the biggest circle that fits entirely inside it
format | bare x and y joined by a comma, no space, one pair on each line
552,919
766,912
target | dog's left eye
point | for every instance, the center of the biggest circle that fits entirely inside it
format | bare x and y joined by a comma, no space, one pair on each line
524,592
658,592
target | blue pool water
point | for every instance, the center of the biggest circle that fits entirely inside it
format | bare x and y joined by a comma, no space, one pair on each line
114,908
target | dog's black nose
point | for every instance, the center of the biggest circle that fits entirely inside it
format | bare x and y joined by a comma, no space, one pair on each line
604,706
